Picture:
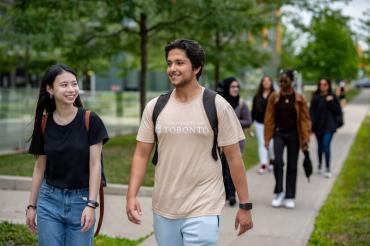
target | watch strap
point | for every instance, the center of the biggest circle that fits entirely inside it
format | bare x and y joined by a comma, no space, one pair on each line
245,206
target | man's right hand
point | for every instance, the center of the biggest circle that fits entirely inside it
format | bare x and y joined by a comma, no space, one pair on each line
133,210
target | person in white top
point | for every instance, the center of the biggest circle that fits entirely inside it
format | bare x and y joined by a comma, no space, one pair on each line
188,193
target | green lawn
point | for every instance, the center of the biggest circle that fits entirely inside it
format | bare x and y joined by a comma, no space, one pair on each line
345,217
118,154
16,234
352,93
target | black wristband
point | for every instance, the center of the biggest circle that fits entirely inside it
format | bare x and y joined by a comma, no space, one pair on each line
246,206
31,206
93,203
88,205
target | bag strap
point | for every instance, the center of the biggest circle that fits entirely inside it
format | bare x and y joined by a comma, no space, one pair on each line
101,190
87,120
101,209
44,119
159,105
209,104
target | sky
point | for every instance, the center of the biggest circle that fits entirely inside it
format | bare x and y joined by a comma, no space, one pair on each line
354,9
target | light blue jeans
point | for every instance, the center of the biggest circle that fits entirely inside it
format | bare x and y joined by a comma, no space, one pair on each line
198,231
59,216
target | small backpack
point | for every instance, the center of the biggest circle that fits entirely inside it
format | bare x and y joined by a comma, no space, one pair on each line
103,182
211,112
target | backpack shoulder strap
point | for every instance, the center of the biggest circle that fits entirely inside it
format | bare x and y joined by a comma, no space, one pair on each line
87,120
159,105
209,104
102,181
44,119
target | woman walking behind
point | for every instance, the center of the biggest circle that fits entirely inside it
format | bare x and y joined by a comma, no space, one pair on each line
287,121
67,172
325,109
260,99
231,92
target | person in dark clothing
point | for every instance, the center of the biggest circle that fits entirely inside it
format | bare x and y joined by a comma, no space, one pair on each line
67,172
325,108
341,93
260,99
230,92
287,121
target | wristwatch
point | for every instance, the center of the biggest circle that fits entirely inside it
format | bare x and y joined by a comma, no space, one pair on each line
94,203
246,206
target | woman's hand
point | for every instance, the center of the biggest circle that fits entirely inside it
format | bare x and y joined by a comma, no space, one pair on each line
329,98
87,218
30,220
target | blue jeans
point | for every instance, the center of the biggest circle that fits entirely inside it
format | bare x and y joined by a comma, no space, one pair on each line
323,144
59,216
186,232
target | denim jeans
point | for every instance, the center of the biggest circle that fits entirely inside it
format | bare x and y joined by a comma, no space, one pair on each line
195,231
323,147
59,216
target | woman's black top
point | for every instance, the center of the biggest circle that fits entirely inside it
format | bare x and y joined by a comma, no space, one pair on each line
259,108
323,113
67,150
286,114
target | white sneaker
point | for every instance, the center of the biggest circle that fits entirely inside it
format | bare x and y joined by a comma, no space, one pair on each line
327,174
289,203
271,168
262,169
319,170
278,200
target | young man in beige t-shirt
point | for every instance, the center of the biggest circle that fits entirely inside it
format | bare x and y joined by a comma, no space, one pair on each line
188,191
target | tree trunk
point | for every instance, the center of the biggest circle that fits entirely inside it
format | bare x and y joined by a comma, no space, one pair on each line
217,61
143,61
217,73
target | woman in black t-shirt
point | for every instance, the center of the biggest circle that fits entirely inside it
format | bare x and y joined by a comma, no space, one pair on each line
266,156
67,172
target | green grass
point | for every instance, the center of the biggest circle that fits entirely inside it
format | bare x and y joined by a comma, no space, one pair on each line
16,234
118,153
345,217
352,93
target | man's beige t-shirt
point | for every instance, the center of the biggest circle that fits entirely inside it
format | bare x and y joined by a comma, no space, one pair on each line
188,181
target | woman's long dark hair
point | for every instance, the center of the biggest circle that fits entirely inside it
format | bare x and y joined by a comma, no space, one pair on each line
46,103
330,91
260,87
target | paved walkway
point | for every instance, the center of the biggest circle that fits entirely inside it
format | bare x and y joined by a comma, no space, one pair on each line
272,226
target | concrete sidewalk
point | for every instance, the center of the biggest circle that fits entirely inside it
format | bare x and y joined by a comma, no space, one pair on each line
272,226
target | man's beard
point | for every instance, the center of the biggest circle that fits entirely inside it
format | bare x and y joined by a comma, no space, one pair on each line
182,83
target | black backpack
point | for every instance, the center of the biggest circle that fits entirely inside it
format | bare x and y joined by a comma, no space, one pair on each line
211,112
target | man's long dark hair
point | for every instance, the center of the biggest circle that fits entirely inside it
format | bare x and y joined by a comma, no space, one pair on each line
46,103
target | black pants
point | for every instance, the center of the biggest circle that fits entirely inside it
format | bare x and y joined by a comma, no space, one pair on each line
228,181
291,141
